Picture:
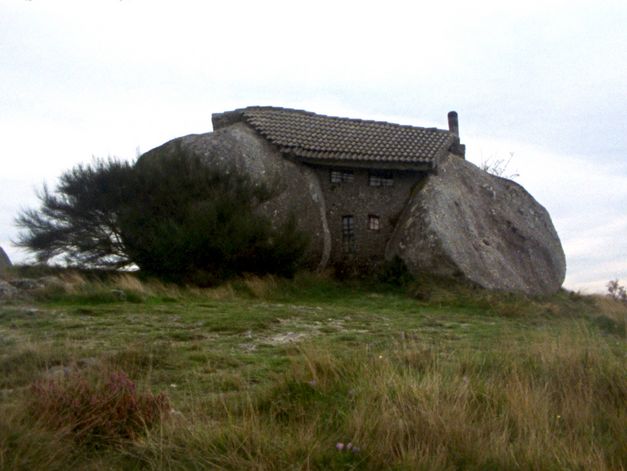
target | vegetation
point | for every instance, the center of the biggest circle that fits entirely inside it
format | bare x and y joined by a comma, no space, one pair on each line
310,373
80,219
170,215
617,291
499,167
93,411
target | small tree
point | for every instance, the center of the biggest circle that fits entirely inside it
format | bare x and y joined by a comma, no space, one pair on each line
616,291
80,219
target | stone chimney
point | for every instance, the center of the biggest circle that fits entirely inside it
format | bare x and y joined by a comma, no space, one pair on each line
453,126
453,123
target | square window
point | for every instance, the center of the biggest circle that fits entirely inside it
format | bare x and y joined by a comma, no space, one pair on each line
380,179
374,222
341,176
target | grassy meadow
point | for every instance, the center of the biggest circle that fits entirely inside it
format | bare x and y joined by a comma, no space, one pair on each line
310,373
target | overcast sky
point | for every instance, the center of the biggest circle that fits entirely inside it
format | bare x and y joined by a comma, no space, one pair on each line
544,81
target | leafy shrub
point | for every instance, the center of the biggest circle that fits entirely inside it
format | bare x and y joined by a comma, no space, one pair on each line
193,223
395,272
170,214
96,412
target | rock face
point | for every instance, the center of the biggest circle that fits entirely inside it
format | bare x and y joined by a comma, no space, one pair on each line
238,148
465,222
4,260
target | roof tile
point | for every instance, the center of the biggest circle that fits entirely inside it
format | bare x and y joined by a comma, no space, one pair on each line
308,135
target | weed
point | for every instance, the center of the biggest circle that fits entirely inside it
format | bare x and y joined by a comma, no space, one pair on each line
259,287
499,167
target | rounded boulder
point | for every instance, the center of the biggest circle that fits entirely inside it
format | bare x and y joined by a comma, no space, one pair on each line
464,222
296,189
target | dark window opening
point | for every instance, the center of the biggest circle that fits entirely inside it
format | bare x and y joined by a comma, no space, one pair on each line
374,222
348,234
380,179
341,176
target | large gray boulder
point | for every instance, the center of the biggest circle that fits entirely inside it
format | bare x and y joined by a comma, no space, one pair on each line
465,222
5,262
238,148
7,291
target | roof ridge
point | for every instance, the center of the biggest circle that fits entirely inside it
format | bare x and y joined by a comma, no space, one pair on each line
341,118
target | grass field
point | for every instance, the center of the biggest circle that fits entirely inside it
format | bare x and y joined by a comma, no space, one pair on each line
310,373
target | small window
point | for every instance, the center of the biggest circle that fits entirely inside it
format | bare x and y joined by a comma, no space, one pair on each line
348,234
380,179
341,176
374,222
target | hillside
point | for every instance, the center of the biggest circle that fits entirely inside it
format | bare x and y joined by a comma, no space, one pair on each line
309,374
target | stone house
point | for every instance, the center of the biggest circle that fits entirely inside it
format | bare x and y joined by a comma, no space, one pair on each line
369,191
366,169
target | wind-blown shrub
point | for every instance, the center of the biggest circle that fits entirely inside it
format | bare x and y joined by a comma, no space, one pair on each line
79,219
173,216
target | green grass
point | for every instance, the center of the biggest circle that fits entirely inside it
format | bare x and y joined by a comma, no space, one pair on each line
273,374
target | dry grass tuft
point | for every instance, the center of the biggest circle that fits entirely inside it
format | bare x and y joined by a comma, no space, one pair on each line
75,287
222,292
260,287
129,282
613,308
73,280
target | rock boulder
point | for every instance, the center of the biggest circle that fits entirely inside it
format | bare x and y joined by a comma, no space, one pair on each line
7,291
238,148
462,221
4,260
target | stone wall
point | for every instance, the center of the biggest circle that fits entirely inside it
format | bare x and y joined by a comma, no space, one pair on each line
360,200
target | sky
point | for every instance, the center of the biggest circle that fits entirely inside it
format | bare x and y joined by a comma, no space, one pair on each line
541,82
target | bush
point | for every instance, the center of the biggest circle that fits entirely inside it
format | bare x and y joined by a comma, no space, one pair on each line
192,223
100,412
79,220
171,215
395,272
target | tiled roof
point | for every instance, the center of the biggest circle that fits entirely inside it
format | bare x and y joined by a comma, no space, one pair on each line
317,137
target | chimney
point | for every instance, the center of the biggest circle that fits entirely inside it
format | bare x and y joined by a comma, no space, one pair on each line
453,126
453,123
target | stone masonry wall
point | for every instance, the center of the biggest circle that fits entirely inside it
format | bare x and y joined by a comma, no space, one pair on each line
359,199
